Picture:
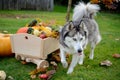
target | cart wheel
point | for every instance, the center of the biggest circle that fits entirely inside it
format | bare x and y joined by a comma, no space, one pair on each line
42,64
18,57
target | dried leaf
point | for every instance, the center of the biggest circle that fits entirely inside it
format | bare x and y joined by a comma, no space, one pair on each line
51,72
10,78
53,63
23,62
116,55
40,70
33,76
106,63
117,39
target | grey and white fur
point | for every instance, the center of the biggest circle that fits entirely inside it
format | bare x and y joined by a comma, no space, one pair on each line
76,34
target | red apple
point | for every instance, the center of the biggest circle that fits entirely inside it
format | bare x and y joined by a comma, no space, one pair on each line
42,36
43,76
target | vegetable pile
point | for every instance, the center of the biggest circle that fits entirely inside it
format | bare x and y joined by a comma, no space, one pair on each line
40,29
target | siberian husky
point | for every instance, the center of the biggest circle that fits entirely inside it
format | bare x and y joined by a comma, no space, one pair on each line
76,34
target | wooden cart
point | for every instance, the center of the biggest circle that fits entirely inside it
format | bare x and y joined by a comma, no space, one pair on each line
33,49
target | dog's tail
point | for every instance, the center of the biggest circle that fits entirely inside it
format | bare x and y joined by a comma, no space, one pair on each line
85,10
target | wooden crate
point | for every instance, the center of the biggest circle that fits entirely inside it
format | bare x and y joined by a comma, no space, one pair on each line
32,46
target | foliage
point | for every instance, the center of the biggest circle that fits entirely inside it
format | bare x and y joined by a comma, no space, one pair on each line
108,4
113,5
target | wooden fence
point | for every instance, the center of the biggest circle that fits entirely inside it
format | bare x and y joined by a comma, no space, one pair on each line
47,5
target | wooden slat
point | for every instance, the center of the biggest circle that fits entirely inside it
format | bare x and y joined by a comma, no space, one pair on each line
1,4
5,4
27,5
11,5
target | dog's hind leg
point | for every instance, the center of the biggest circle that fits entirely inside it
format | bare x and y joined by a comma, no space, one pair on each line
93,44
75,59
63,58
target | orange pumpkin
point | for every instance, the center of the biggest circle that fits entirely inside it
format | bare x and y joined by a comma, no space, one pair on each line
5,45
22,30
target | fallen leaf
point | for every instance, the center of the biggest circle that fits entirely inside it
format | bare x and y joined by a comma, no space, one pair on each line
116,55
23,62
10,78
40,70
33,76
106,63
54,64
117,39
51,72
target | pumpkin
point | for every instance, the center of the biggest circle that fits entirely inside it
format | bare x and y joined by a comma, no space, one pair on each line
22,30
5,45
5,35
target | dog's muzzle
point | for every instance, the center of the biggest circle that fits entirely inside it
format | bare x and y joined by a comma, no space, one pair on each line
79,52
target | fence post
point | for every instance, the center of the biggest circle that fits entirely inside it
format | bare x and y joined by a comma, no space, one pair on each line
51,5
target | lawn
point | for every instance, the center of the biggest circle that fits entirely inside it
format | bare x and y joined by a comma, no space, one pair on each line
109,25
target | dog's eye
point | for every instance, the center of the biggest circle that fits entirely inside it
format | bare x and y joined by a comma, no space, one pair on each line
81,39
74,39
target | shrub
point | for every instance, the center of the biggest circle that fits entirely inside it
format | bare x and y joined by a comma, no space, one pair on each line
108,4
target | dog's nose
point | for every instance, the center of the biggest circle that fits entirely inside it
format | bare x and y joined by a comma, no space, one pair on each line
79,50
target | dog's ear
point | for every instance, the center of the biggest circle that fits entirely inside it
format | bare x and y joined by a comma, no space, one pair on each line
84,28
82,25
69,26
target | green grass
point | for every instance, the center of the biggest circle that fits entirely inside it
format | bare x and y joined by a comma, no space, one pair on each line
9,22
109,25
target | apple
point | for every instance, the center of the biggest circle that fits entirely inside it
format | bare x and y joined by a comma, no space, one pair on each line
43,76
42,36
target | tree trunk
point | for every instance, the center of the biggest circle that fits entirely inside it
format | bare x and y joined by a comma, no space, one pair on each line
68,10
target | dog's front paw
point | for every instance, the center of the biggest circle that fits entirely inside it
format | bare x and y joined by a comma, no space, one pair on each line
80,62
70,70
65,64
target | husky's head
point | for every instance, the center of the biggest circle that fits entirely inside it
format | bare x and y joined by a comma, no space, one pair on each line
73,35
